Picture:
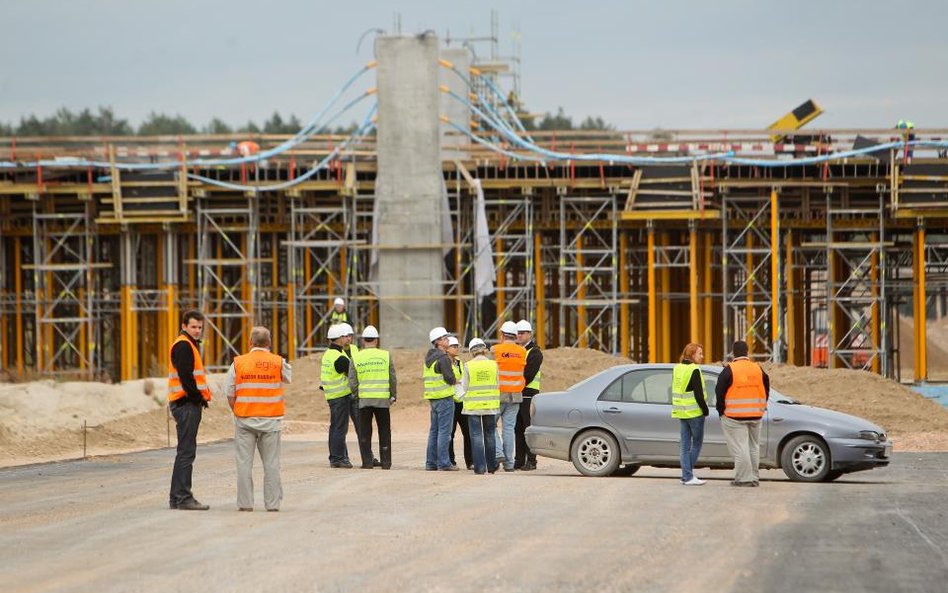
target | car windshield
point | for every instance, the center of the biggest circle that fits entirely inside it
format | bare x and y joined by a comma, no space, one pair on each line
780,398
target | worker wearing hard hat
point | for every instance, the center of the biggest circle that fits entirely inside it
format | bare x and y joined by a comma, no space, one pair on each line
907,129
511,359
525,459
480,397
334,379
439,382
372,376
454,348
339,314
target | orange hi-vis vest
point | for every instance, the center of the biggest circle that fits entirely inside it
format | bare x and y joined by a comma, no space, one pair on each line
258,382
746,397
511,360
175,390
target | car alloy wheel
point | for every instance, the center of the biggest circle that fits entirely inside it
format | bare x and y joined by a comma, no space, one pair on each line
806,459
595,453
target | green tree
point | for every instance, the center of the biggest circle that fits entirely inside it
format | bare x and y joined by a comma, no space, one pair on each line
560,121
249,128
159,124
595,123
218,126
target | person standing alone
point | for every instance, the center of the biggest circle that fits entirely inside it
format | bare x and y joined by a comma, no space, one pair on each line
373,377
254,390
742,392
188,395
689,406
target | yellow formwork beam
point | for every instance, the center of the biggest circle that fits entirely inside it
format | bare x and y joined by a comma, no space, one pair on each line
693,304
581,295
875,313
500,301
749,313
919,315
624,288
540,322
666,303
18,288
774,276
708,277
652,300
791,302
290,321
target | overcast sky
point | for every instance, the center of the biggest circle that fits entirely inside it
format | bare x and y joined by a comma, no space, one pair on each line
639,65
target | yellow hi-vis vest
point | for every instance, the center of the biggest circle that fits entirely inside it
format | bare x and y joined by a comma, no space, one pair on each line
684,404
535,384
335,385
336,317
258,383
175,390
435,385
483,388
458,374
373,370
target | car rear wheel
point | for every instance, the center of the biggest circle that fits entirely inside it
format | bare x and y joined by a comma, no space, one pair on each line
595,453
806,459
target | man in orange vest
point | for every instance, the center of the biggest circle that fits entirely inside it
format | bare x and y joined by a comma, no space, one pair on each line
188,395
511,359
254,390
742,391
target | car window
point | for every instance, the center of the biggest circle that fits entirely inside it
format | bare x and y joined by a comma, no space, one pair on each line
613,393
710,382
658,387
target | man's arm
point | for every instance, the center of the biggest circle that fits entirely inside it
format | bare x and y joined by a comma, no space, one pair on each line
766,384
724,383
287,372
182,359
353,379
230,386
534,360
444,367
392,383
342,365
696,386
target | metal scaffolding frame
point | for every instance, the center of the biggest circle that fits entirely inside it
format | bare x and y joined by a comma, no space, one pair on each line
589,272
227,263
750,246
64,277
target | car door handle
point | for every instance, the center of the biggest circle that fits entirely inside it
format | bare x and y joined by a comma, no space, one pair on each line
776,419
612,411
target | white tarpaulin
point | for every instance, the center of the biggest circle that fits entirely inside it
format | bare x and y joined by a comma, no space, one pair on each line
484,272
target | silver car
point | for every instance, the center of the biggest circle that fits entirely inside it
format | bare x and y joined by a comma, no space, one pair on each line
622,417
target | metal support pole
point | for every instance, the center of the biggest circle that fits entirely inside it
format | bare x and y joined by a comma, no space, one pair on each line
652,300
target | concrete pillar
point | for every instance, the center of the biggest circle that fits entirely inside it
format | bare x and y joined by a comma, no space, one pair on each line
409,190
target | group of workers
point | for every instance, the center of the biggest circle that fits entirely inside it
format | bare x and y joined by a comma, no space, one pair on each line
359,384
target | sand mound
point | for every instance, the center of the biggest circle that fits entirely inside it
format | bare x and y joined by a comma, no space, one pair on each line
42,420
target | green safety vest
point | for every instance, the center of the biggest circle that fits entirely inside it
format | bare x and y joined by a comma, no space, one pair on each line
684,404
435,385
335,385
535,384
372,367
335,317
483,386
458,373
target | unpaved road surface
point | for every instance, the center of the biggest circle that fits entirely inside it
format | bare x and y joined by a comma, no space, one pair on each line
103,526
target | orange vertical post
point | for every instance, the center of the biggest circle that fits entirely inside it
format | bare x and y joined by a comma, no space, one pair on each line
539,324
652,300
624,288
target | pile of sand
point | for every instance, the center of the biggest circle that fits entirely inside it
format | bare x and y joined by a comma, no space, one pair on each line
42,420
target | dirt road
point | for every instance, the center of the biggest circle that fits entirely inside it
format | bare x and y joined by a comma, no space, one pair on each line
103,525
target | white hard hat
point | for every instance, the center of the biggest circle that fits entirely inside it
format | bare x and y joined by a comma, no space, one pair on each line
436,334
476,343
339,301
509,327
370,332
346,329
453,341
524,326
335,332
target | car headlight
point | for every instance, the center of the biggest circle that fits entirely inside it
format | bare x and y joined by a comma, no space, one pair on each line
871,435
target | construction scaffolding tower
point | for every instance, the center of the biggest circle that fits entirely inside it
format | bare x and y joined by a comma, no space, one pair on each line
751,275
588,272
227,262
64,277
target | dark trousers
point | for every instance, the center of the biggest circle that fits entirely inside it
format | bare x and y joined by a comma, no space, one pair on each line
340,409
384,421
187,417
461,421
523,454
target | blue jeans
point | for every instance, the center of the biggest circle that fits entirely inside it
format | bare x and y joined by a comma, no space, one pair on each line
482,442
692,437
505,440
439,434
340,409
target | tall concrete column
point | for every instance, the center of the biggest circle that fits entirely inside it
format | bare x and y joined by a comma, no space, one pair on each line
409,190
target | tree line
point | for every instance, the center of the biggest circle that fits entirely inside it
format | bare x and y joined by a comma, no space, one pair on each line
104,122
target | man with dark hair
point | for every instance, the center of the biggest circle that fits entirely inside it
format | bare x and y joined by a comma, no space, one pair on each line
188,395
742,392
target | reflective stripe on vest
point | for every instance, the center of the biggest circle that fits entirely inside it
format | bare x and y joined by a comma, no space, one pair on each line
175,390
373,370
483,392
511,360
435,385
746,397
535,384
684,404
258,385
335,385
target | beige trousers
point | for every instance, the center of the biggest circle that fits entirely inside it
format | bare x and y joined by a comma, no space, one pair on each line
743,441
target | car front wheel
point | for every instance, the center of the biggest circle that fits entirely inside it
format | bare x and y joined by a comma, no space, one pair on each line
806,459
595,453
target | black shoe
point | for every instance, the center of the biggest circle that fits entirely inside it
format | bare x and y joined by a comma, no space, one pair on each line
743,484
192,505
273,510
370,466
450,468
245,509
528,467
376,463
386,467
173,506
509,469
341,464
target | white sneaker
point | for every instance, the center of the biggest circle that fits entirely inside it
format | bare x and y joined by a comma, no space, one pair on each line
694,482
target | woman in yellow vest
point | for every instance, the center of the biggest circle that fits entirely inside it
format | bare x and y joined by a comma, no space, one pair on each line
480,395
689,406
